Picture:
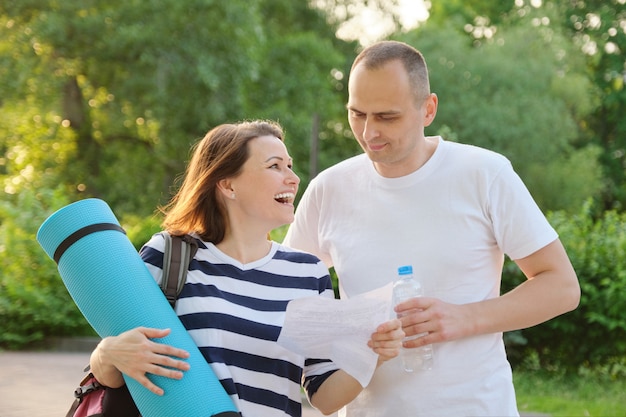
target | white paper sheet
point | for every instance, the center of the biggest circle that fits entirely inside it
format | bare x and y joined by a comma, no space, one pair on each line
317,327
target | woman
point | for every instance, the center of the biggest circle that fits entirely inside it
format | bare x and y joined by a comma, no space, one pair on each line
239,186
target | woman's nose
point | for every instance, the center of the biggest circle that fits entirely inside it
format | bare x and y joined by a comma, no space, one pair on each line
293,178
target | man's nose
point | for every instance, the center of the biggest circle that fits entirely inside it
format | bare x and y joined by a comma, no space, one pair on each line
370,129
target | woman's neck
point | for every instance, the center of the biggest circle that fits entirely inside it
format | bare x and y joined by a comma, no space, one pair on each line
245,250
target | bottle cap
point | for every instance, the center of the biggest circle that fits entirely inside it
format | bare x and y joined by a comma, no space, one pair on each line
405,270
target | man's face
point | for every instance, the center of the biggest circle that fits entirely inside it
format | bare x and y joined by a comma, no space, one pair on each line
385,118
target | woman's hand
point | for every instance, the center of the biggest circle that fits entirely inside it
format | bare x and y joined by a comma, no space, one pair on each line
387,340
133,353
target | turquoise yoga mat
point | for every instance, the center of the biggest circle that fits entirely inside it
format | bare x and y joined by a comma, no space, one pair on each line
114,290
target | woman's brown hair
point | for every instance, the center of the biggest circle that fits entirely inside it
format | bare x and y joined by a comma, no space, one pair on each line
219,155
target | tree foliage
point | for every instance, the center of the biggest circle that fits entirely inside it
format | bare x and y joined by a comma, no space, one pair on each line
595,29
598,28
595,333
492,95
134,91
302,85
104,99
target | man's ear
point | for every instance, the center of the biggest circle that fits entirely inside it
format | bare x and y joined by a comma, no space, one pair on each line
431,108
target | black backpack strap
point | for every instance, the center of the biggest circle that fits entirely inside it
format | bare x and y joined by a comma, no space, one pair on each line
178,253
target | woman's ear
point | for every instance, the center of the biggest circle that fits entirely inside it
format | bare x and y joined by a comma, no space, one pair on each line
226,188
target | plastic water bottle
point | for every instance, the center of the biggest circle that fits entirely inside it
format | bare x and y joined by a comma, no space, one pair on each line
406,287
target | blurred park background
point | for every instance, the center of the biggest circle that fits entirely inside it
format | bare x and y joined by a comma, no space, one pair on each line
105,98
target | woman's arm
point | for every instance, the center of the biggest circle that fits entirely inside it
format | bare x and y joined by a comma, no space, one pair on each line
134,353
340,388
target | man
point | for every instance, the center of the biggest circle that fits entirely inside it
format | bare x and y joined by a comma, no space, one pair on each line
452,211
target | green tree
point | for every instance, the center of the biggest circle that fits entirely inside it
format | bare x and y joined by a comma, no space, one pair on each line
125,96
104,99
507,93
597,28
470,11
301,83
134,92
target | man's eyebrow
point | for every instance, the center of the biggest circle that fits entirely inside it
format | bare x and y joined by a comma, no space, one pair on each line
381,113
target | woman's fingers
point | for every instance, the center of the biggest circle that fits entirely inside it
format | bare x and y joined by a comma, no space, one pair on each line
168,366
136,354
387,340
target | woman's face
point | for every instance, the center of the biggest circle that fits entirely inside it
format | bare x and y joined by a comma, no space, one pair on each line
266,187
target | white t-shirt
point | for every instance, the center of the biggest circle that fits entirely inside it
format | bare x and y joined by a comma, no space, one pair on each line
452,220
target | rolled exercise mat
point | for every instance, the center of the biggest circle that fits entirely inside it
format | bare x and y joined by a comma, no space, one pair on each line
115,292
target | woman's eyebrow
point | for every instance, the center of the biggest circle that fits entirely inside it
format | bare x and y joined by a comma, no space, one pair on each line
279,158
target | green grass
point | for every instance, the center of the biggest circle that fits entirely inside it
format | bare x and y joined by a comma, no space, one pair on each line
570,395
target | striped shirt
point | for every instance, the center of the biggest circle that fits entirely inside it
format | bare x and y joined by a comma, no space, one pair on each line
234,312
